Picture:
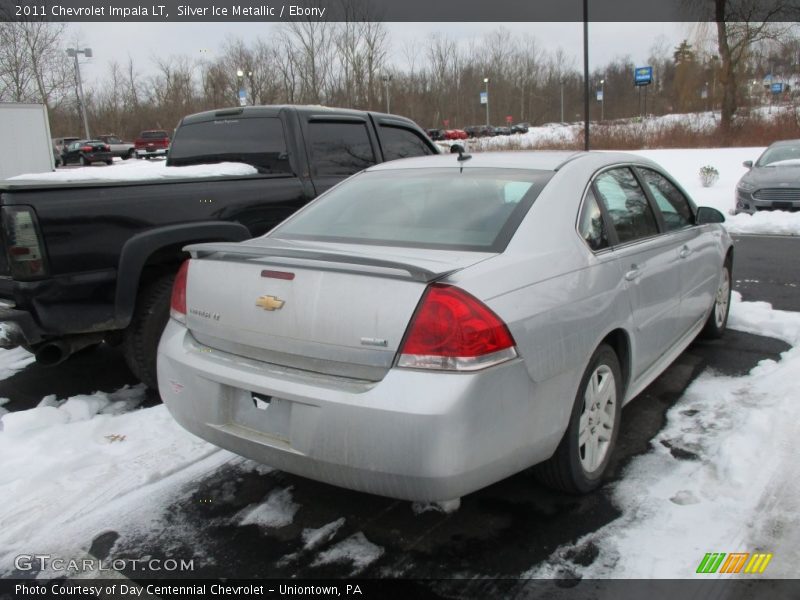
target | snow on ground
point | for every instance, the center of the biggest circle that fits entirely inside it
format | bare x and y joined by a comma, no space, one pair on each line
137,170
356,550
722,476
13,360
72,468
277,510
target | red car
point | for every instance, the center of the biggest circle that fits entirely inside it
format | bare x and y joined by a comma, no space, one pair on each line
153,142
455,134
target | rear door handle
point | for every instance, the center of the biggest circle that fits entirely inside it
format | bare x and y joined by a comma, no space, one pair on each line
685,251
633,273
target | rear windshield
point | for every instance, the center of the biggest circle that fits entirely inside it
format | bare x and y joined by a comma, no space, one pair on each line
473,209
153,134
259,142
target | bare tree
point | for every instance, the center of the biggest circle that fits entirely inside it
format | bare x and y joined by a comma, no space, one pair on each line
740,25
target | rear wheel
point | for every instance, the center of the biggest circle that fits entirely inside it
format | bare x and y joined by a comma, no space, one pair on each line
140,340
85,162
131,153
581,459
109,162
718,319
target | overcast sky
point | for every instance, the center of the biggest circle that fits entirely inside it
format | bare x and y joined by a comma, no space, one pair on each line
142,42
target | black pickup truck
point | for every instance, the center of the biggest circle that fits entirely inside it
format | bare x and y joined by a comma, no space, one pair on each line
87,262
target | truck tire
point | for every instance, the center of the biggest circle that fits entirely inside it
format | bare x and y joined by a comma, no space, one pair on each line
131,153
140,339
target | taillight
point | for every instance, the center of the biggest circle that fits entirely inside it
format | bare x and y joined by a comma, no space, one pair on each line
86,149
107,148
454,331
23,243
177,304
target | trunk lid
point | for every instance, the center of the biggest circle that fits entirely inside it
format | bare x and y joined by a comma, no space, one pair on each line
326,308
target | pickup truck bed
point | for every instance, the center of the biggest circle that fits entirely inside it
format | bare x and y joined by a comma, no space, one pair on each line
92,261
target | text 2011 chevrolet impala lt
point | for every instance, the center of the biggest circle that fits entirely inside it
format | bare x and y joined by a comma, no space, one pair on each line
433,325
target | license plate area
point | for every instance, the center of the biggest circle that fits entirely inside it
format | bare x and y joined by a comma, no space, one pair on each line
265,414
783,205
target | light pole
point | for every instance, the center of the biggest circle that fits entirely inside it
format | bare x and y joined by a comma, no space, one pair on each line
87,52
486,81
242,93
561,81
386,80
602,100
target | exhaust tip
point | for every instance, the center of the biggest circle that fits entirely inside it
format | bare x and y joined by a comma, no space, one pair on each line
50,354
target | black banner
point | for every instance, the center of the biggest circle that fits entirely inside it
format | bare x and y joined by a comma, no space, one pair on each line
397,11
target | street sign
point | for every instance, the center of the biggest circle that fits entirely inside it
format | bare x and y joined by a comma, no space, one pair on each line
242,97
776,88
599,95
484,97
643,76
446,123
509,118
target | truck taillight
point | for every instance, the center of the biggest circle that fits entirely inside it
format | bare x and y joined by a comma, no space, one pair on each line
177,304
452,330
86,148
23,243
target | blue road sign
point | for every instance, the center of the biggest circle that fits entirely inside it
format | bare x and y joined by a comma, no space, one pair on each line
776,88
643,76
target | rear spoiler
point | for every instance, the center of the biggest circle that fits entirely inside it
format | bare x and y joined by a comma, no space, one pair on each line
331,261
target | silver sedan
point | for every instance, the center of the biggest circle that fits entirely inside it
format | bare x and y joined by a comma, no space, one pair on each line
433,325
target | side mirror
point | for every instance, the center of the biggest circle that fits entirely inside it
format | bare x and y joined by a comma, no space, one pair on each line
457,149
748,164
706,214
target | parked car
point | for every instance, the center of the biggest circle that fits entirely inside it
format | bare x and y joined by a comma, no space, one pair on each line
60,144
150,143
124,150
435,134
520,128
773,181
87,152
433,325
455,134
84,262
480,131
502,130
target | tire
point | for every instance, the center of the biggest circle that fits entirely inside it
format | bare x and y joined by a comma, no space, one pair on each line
718,318
109,162
85,162
130,154
574,468
140,339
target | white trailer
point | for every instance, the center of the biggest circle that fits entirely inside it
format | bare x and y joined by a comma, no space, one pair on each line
26,147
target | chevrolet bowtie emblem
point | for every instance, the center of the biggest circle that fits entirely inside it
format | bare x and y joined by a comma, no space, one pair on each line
270,302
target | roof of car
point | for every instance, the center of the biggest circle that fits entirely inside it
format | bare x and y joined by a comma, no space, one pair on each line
785,143
274,109
542,160
539,160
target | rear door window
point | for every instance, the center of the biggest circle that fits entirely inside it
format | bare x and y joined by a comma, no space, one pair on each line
398,142
339,149
627,205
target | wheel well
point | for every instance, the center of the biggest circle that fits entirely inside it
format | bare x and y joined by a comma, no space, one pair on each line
162,262
619,341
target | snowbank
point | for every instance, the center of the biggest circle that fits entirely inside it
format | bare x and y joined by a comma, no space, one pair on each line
138,170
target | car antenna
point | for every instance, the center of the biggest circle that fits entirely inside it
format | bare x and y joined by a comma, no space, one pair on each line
462,156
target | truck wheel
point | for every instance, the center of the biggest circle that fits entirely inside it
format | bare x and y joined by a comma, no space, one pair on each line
130,154
140,340
85,162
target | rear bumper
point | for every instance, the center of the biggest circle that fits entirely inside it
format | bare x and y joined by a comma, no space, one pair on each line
414,435
151,152
18,328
